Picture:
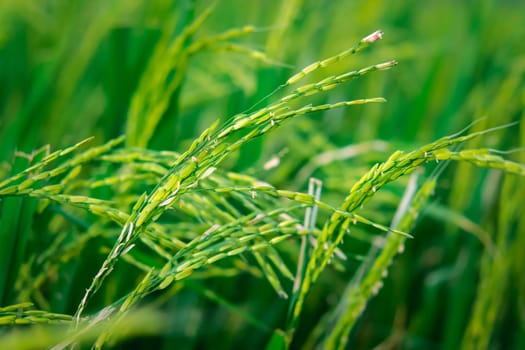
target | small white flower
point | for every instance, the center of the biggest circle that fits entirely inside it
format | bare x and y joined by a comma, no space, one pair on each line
386,65
375,36
127,249
208,172
130,231
167,201
272,163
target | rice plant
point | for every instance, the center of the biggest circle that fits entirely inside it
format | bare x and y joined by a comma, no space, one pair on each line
183,177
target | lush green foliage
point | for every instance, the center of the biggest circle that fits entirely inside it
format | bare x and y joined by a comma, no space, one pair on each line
262,193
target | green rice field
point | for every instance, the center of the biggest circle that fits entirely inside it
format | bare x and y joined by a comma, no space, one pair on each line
274,175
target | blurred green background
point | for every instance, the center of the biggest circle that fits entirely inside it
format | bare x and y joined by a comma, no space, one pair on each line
72,69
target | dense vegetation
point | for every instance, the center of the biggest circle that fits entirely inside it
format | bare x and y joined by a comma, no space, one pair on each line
180,174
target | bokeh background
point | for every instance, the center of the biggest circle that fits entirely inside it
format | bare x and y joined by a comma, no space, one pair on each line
73,69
